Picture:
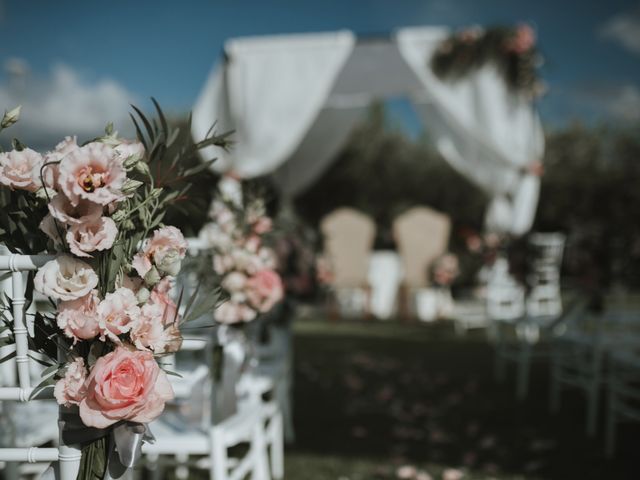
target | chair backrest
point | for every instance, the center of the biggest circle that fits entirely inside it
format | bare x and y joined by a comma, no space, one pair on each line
348,241
505,297
68,457
422,235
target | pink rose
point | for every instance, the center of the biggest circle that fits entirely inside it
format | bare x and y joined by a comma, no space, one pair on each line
94,235
232,312
264,290
79,318
93,172
70,389
117,313
165,250
65,278
83,211
20,170
124,385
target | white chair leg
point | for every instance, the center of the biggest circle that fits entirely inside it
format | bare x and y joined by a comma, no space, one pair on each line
277,447
182,469
261,455
219,464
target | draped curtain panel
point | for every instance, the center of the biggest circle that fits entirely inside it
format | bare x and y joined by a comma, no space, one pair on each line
292,100
269,92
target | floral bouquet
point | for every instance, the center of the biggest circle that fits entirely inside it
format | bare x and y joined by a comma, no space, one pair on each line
97,208
243,265
511,49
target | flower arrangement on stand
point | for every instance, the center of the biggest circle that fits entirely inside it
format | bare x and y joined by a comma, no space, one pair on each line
511,49
97,208
236,256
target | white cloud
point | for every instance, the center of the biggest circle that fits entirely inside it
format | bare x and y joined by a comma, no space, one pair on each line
63,104
625,104
624,29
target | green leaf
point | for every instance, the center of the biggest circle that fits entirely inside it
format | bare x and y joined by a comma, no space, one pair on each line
93,464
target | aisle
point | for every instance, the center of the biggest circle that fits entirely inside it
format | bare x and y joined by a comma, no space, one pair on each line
372,397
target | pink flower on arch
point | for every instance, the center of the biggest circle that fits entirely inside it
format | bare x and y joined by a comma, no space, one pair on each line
117,313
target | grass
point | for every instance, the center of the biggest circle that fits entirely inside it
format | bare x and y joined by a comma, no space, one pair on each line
373,396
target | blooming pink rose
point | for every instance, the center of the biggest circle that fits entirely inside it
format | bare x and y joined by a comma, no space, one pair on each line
165,250
232,312
264,290
64,211
124,385
94,235
65,278
20,170
117,313
70,390
78,319
92,172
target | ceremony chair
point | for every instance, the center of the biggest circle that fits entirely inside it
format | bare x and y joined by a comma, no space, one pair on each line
348,241
623,385
581,356
421,235
23,405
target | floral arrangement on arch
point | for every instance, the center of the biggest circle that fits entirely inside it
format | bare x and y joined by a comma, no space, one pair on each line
97,208
243,264
511,49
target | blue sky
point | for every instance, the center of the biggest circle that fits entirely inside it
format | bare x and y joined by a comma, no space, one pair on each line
137,49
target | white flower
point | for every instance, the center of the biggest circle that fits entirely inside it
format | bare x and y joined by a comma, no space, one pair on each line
65,278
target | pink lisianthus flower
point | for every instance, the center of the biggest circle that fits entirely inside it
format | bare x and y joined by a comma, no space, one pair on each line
264,290
94,235
231,312
165,250
65,278
222,263
129,148
92,172
51,172
117,313
70,390
152,332
78,319
124,385
160,296
53,231
84,211
20,170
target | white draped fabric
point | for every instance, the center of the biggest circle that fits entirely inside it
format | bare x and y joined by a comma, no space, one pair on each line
269,92
293,100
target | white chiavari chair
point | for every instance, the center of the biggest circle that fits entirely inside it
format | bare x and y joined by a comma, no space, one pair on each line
66,457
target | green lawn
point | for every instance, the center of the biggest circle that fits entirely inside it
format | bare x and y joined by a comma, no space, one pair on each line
371,397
